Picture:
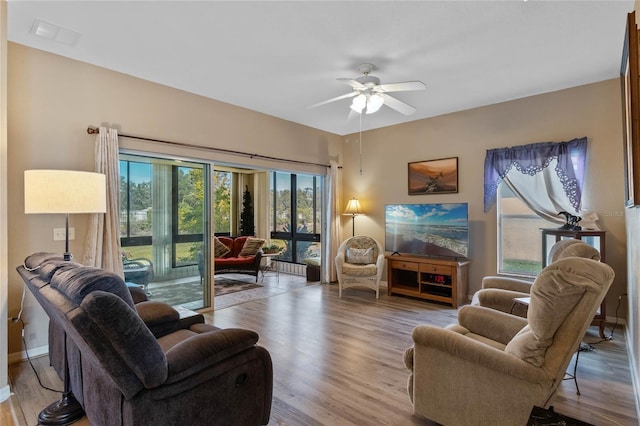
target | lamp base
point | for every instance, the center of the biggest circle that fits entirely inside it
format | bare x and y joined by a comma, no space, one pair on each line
62,412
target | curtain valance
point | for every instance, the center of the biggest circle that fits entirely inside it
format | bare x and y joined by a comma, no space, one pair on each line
533,158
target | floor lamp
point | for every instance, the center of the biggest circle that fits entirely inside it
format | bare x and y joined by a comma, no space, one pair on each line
353,209
64,192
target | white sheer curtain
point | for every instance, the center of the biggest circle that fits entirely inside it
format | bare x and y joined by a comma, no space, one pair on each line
102,246
331,235
544,194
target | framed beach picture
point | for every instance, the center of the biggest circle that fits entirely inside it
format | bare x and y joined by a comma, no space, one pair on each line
631,113
433,176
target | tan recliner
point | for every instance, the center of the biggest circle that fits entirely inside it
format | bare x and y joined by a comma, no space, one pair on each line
499,292
493,367
359,263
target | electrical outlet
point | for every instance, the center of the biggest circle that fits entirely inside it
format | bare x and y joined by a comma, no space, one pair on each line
59,234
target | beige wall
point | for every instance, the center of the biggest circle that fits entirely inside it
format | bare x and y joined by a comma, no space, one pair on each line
593,111
52,100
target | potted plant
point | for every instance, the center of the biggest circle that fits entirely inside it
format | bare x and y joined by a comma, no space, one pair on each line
271,249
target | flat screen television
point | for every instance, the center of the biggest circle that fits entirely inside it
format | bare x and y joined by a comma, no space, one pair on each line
438,230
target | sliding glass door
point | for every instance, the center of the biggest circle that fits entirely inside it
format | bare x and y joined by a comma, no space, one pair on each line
164,228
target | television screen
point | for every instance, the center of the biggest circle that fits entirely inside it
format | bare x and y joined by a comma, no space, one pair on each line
427,229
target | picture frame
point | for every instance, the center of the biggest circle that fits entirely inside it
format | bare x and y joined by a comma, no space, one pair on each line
631,114
438,176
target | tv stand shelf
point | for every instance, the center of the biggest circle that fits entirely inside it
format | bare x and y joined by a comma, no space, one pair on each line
427,278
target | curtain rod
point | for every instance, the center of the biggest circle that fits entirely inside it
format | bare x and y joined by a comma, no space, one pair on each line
94,130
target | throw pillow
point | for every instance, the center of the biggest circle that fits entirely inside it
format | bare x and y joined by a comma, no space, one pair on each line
251,247
360,256
219,249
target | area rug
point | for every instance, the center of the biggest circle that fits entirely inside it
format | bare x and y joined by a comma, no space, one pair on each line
176,294
224,286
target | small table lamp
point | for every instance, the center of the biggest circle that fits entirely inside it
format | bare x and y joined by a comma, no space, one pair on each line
353,209
64,192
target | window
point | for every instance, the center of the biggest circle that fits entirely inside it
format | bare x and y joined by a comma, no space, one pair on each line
188,214
164,215
296,214
222,207
519,236
135,208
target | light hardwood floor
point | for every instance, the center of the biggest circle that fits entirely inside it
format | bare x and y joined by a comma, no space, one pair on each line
339,362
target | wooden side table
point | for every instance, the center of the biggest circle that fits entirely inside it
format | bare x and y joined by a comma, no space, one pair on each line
595,239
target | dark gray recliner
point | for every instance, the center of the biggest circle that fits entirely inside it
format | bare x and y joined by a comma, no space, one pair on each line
128,376
159,317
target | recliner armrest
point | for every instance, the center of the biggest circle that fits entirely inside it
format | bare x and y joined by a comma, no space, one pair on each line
499,299
155,313
137,293
507,283
201,351
486,322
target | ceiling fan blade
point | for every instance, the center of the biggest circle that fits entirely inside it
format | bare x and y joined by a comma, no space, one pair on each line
352,115
337,98
400,87
398,105
353,83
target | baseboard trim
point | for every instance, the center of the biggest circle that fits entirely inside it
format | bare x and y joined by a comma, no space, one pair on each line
612,320
635,380
5,393
16,357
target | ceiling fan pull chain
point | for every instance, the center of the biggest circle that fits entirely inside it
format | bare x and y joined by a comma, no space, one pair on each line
361,144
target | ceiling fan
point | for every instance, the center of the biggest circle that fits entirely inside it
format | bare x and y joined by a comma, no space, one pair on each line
369,95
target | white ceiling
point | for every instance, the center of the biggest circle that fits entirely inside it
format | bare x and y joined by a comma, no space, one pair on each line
280,57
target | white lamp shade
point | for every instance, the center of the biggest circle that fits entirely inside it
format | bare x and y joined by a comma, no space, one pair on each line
374,103
64,191
358,103
353,208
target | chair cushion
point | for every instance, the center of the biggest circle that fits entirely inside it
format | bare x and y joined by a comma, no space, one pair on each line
313,261
47,264
359,270
33,261
251,247
155,313
76,283
363,242
227,262
236,246
359,255
219,248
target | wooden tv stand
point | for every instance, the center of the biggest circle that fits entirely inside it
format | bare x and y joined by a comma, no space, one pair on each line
427,278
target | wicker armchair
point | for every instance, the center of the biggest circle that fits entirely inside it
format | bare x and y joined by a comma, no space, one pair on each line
359,263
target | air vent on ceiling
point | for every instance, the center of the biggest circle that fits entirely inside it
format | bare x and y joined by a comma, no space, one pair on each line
54,32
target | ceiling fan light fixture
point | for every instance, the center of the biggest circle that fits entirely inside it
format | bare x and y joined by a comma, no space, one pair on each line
359,102
374,103
367,92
